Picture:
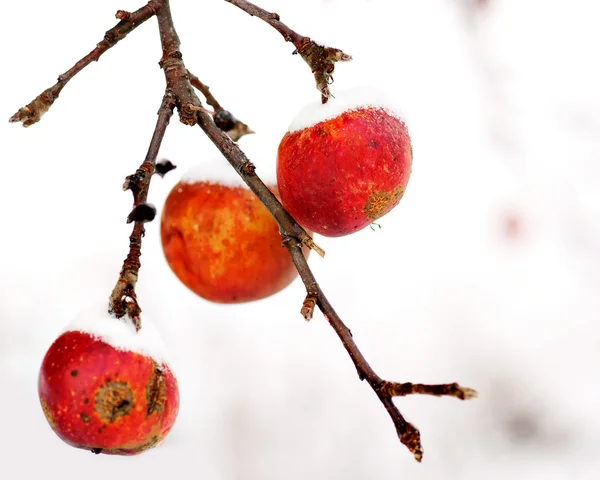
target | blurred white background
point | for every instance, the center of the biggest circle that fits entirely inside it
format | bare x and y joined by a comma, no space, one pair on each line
486,274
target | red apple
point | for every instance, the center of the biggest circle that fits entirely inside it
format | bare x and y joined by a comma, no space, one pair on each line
343,165
98,394
221,241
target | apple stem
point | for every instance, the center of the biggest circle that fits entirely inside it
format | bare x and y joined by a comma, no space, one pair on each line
180,93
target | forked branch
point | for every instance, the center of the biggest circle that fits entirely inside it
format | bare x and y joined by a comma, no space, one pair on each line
180,93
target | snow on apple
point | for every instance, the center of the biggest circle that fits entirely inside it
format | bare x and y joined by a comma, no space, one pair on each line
260,149
344,164
106,388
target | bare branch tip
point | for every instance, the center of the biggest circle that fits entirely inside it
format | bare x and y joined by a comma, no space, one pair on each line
309,242
31,113
468,393
308,307
411,439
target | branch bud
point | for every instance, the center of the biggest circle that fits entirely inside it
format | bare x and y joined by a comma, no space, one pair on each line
144,212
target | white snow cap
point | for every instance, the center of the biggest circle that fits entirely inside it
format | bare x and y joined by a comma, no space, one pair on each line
120,332
260,150
346,100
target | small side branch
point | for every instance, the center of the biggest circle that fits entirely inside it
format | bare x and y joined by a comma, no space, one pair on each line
123,299
385,391
442,390
33,112
205,90
224,119
320,58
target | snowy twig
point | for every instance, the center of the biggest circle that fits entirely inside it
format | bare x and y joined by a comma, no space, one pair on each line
32,113
123,299
320,58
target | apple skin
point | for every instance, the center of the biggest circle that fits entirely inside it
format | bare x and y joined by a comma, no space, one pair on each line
106,400
223,244
340,175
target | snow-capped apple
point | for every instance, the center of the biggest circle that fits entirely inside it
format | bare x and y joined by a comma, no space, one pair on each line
220,240
344,164
106,388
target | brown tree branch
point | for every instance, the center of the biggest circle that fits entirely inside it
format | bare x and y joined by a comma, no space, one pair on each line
443,390
205,90
33,112
293,236
178,80
123,299
180,93
320,58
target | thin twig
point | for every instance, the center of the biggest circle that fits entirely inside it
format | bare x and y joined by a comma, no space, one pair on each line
123,299
33,112
205,90
224,119
320,58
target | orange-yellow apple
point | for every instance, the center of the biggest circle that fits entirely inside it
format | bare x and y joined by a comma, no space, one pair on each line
221,241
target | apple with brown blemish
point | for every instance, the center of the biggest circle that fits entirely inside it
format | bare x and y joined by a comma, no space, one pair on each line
343,165
220,240
105,390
